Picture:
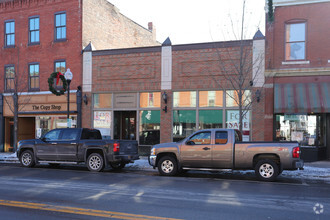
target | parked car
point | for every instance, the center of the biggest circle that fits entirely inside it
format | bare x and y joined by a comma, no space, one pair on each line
214,149
77,145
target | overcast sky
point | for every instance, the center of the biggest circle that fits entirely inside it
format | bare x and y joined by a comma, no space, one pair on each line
195,21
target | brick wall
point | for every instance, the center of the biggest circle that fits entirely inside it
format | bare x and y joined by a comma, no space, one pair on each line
317,43
107,28
194,67
47,51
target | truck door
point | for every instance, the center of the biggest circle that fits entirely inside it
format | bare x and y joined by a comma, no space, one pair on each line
46,150
196,151
67,144
222,152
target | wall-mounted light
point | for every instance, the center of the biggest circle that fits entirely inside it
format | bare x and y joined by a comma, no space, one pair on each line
164,96
165,109
85,99
258,95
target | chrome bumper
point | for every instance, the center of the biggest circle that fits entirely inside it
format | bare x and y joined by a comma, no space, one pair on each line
152,160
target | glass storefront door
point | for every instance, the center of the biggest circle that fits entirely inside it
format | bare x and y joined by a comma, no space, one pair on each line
125,125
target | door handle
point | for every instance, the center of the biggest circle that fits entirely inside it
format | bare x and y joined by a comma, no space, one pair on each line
206,148
73,143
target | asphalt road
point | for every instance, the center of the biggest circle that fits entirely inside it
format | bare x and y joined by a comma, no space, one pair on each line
70,192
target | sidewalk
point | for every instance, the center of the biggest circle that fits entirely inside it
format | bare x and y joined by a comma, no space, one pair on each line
319,170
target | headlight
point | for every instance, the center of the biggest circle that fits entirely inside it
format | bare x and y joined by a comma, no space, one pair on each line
153,151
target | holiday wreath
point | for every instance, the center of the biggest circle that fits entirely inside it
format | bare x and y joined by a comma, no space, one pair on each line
58,76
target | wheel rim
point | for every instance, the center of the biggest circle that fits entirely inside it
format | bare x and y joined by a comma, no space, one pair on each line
266,170
26,159
167,166
95,162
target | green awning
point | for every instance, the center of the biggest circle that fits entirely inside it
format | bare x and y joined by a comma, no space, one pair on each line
210,116
150,117
184,116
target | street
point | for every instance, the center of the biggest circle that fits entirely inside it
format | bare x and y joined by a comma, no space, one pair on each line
72,192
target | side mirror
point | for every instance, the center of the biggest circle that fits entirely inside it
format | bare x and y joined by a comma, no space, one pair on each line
190,143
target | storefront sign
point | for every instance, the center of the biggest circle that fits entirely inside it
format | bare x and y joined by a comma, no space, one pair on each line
102,119
46,107
233,122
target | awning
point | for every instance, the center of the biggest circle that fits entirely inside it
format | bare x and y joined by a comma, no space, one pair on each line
302,97
150,117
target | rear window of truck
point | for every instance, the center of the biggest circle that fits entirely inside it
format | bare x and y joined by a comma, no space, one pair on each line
90,134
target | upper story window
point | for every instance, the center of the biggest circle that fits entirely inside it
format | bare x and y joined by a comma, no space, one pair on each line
34,76
295,41
9,33
10,78
60,26
59,66
34,30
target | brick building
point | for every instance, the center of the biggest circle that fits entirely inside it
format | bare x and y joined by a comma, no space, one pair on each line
39,37
164,93
298,76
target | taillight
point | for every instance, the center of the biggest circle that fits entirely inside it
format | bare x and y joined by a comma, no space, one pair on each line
116,147
296,152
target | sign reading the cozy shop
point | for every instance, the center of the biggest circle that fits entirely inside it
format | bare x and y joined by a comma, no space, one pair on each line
46,107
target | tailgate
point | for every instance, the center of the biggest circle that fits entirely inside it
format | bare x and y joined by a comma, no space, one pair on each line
128,147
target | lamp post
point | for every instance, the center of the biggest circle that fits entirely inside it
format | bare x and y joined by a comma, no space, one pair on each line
68,76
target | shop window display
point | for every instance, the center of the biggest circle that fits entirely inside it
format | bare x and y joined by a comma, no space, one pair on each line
184,123
47,123
149,127
306,129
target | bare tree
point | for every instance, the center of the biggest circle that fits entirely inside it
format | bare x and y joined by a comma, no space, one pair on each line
14,98
242,71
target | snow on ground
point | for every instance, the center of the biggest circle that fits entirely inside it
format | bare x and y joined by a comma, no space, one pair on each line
314,171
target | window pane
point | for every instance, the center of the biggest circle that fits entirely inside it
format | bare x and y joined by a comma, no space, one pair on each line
210,119
70,134
201,138
53,135
184,99
32,27
232,122
232,98
149,127
63,34
150,99
102,100
295,32
295,51
8,28
221,137
102,121
63,19
33,36
37,36
12,27
58,33
36,23
210,98
58,20
184,123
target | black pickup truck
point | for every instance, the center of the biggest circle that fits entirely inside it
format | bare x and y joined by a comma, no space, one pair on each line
77,145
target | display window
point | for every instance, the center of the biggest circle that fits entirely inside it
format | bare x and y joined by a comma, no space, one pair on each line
184,123
308,130
47,123
102,100
210,119
149,127
150,100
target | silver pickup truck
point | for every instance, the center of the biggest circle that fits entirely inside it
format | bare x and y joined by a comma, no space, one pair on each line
215,149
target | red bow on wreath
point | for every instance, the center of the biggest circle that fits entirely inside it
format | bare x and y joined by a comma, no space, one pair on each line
58,77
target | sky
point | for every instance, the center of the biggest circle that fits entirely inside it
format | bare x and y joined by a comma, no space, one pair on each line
196,21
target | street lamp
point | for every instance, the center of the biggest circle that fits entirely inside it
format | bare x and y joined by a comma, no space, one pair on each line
68,76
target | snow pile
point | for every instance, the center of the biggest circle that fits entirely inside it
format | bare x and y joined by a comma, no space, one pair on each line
8,157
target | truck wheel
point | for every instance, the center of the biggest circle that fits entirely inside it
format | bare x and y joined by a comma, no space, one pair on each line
117,166
27,159
95,162
266,170
167,166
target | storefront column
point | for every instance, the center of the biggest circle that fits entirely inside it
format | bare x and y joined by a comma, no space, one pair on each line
2,127
79,106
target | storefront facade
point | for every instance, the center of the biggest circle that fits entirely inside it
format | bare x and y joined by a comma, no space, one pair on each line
38,113
164,94
298,76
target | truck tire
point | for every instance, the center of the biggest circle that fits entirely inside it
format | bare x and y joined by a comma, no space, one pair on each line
95,162
27,158
167,166
266,170
117,166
